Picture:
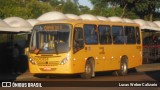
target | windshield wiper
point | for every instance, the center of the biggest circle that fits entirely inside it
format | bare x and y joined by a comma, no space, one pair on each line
56,47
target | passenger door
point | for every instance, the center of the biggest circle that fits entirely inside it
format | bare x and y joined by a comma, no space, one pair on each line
79,54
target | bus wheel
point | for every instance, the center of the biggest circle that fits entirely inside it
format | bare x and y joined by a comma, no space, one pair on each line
88,70
123,68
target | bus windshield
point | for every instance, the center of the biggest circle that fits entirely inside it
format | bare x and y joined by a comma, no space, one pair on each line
51,38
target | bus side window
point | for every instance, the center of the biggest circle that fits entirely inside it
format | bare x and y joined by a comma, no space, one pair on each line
130,35
118,34
90,33
78,42
104,34
138,35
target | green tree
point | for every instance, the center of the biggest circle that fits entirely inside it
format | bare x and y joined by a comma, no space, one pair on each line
55,2
145,9
70,7
84,9
11,8
106,8
38,8
157,16
23,8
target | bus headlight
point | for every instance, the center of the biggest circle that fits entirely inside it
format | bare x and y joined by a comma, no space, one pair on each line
32,61
65,60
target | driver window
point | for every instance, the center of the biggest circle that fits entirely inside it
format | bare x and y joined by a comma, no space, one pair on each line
78,40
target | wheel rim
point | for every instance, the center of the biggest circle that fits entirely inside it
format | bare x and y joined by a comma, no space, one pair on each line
123,68
88,69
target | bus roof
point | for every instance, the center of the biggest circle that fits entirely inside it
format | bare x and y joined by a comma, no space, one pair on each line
86,22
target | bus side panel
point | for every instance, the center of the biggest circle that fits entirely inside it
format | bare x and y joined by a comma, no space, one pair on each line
110,58
114,54
78,61
96,52
131,54
89,51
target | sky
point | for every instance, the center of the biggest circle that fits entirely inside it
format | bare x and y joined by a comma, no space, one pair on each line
86,3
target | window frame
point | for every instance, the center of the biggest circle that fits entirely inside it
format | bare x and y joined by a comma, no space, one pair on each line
113,37
126,39
138,29
97,35
110,34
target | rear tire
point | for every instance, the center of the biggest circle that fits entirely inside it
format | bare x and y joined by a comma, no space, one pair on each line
88,70
123,68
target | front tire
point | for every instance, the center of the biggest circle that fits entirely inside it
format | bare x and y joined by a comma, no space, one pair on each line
88,70
123,68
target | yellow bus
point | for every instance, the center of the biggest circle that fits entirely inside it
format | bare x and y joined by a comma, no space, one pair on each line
84,47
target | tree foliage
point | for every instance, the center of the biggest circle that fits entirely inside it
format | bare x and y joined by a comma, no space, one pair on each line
23,8
84,9
38,8
145,9
70,7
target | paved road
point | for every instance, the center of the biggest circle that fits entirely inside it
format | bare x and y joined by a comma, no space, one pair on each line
147,72
105,76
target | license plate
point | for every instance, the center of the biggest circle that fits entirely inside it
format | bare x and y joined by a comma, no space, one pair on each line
47,69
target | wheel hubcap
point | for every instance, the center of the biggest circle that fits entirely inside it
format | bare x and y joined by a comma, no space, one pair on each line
124,67
88,69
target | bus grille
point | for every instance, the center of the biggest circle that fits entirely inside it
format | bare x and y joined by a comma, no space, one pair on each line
47,63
